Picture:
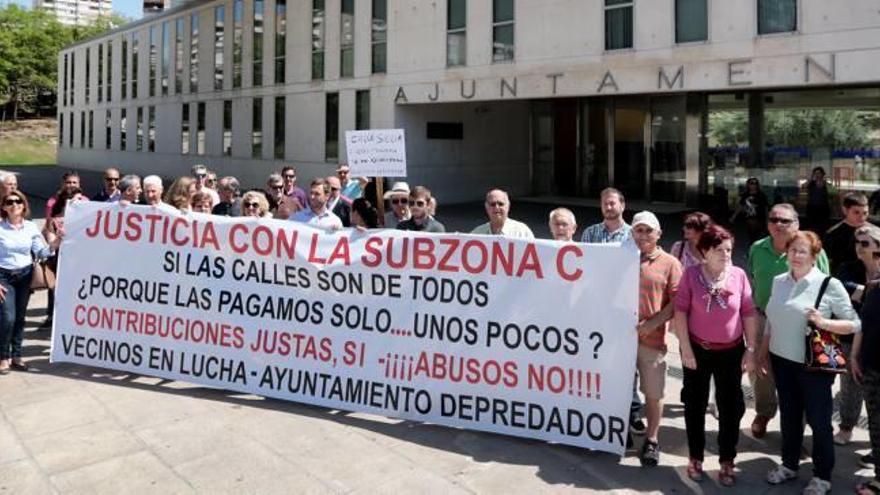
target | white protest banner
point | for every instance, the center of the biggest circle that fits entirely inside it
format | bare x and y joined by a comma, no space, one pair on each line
528,338
376,153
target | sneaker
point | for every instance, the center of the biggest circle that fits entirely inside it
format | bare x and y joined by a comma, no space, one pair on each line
637,427
650,455
780,474
759,426
867,461
842,437
817,486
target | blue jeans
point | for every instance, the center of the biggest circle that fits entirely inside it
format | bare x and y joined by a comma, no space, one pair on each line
801,391
18,292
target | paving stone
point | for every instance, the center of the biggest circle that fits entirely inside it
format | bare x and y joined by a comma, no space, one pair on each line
140,472
80,446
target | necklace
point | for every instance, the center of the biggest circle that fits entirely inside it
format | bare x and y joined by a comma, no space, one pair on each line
715,290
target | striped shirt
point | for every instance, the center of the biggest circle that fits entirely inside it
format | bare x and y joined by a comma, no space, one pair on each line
658,283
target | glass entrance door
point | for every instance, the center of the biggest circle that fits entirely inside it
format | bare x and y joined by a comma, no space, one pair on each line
630,120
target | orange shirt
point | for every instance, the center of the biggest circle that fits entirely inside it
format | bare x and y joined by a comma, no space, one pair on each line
658,282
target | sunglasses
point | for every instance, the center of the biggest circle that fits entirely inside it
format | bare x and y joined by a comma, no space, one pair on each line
251,205
420,203
200,176
399,201
781,221
111,179
289,176
277,188
864,243
343,172
692,225
13,201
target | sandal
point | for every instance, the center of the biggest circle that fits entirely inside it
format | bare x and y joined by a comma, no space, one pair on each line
869,488
695,470
725,475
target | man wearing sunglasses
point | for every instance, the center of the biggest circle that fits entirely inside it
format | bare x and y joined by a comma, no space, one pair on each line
200,174
110,192
398,196
767,260
840,239
352,188
288,174
497,208
420,221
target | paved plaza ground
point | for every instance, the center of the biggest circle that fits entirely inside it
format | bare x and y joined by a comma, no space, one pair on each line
75,429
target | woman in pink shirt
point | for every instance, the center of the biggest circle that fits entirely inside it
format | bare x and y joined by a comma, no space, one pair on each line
715,321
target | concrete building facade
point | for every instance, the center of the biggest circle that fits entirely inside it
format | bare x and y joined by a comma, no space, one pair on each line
76,12
669,100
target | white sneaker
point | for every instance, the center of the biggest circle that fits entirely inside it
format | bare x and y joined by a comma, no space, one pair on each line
842,437
817,486
780,474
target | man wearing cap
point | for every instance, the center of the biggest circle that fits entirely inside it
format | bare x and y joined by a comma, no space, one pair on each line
200,174
421,221
337,203
497,208
398,196
659,275
351,188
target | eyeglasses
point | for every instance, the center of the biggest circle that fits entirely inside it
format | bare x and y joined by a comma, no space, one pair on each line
420,203
864,243
13,201
251,205
334,188
277,188
290,176
780,220
497,204
111,179
200,176
692,225
399,201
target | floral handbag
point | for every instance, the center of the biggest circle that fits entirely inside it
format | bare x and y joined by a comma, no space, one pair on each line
823,351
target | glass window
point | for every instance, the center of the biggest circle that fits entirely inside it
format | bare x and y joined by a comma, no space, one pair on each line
109,71
237,30
108,129
219,34
184,129
100,73
135,56
362,110
139,145
777,16
227,127
317,39
331,127
279,127
88,75
346,38
456,33
166,57
257,72
123,131
379,62
70,136
91,130
64,84
200,129
194,53
618,24
151,128
151,84
82,129
179,26
280,40
72,85
691,21
502,31
123,86
257,129
61,130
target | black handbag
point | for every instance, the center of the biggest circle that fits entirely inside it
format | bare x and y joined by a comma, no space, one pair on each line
822,351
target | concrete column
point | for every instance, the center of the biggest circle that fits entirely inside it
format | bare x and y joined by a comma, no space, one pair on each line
756,130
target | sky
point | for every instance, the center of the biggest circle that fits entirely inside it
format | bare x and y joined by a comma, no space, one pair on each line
133,9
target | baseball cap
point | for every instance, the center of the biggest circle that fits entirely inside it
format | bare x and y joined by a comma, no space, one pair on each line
646,218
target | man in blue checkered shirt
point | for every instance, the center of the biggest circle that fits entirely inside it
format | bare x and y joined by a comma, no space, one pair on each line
612,228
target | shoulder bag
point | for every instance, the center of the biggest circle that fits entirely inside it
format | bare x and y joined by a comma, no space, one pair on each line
822,351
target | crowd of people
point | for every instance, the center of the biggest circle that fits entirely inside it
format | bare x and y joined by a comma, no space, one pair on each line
727,320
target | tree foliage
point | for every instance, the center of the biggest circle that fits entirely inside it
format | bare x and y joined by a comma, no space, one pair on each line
797,128
30,40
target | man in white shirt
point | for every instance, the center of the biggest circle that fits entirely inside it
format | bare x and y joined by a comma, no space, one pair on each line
317,214
497,208
200,174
